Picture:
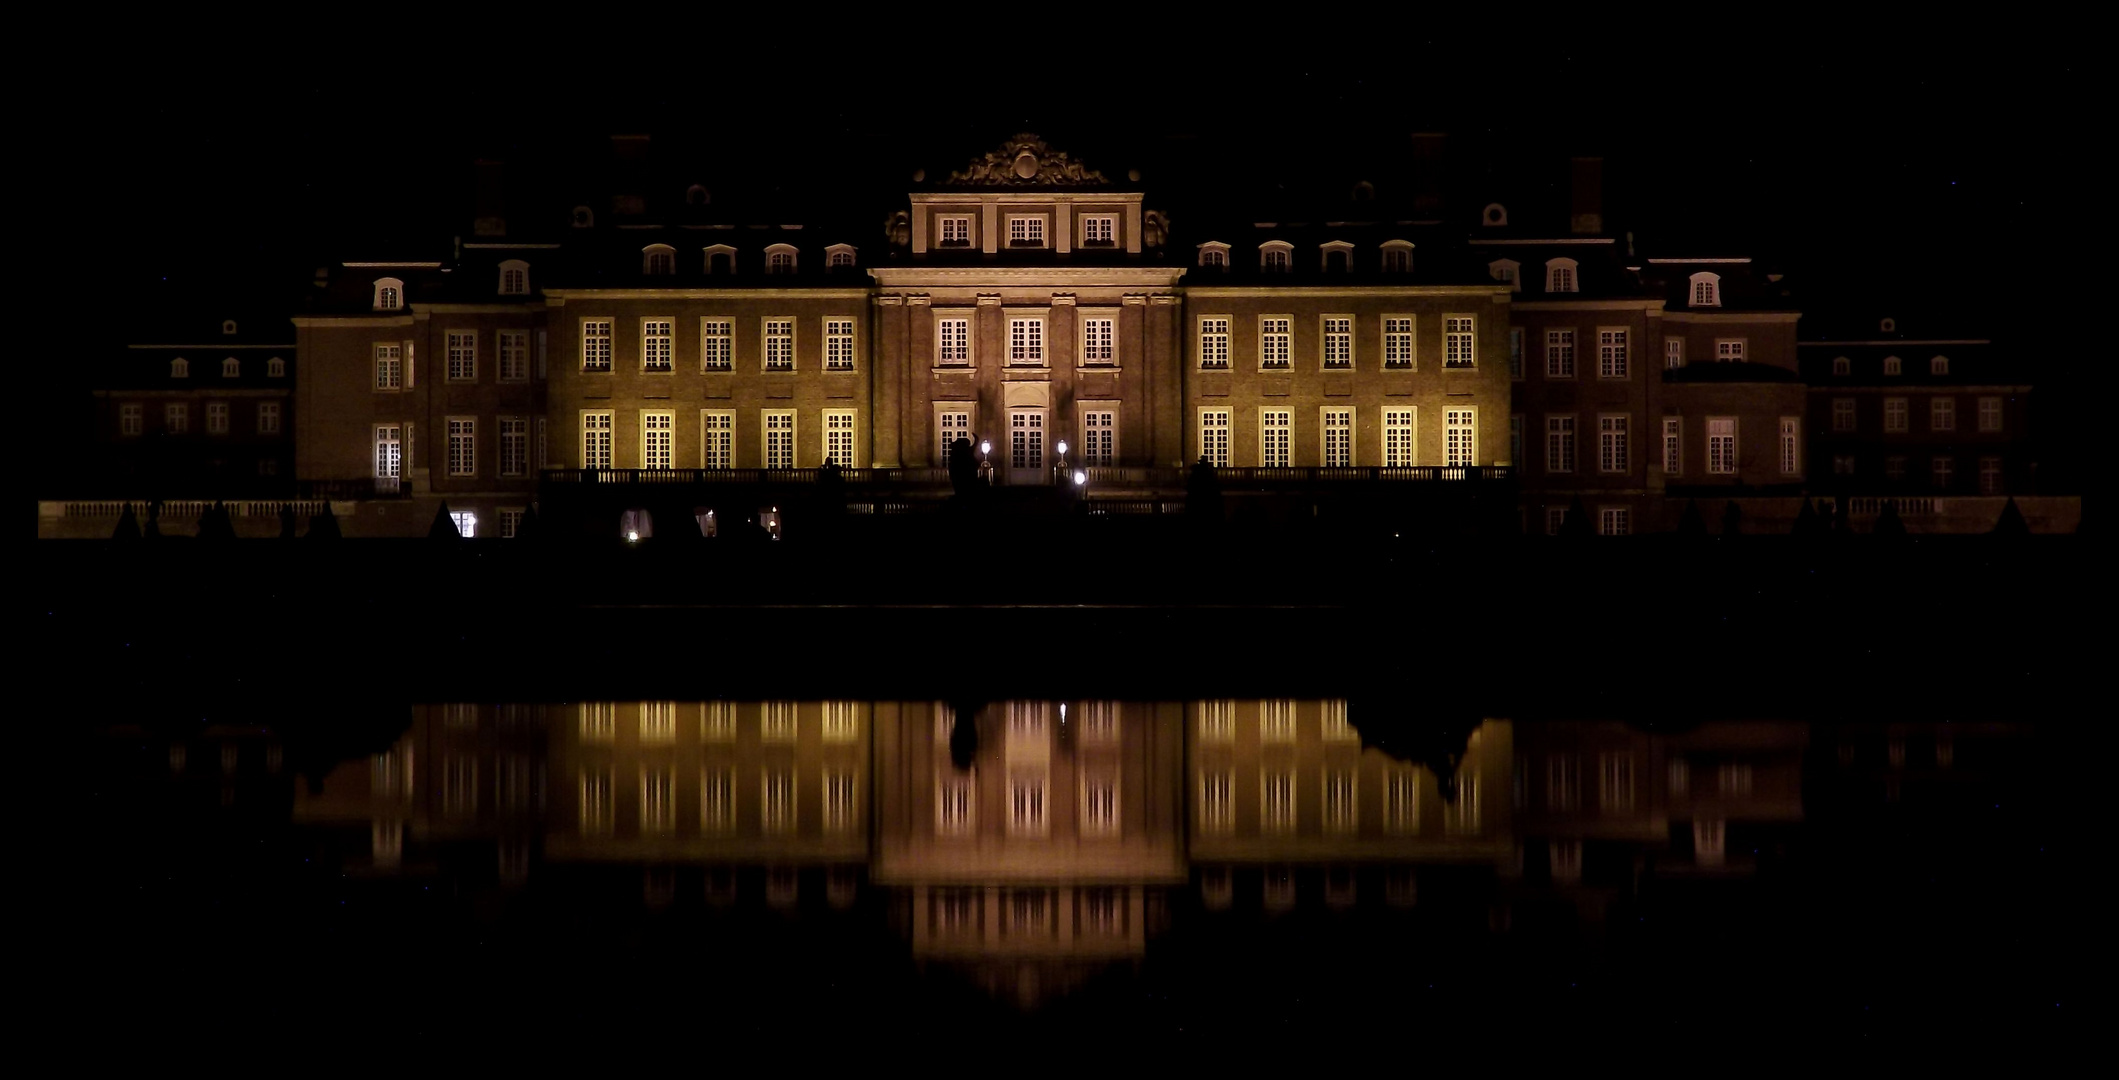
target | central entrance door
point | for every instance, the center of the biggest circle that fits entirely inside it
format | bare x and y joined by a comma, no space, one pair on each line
1026,447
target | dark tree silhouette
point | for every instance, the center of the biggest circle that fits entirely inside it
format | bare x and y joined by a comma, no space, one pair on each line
1732,519
128,525
1806,523
2011,522
287,521
1203,493
1575,523
1690,523
1888,523
153,529
444,527
324,526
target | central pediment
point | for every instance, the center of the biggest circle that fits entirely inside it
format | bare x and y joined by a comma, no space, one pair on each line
1026,162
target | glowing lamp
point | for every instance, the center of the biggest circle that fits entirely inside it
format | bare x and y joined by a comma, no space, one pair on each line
1061,446
985,448
1080,478
633,537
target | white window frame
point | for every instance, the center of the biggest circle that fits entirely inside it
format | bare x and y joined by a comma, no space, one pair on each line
1401,801
1844,416
776,801
717,800
176,418
1276,257
595,345
1342,801
1990,417
1276,438
1460,341
1722,445
1614,521
1099,428
1613,435
717,343
389,294
776,444
1562,276
840,428
658,439
1217,802
778,334
1029,801
1614,353
717,438
956,805
944,224
1992,480
276,368
597,426
839,344
782,259
1336,335
658,345
514,278
1099,804
947,432
1791,432
1897,415
513,347
1217,721
1401,437
388,455
778,721
462,432
1214,255
1731,350
1705,290
1028,231
1400,341
1559,353
841,801
1099,341
1336,424
461,356
1214,436
1673,352
1276,802
840,256
514,445
216,418
389,365
1560,443
1942,413
1673,446
952,340
1508,272
1894,366
1396,257
132,419
1093,224
1214,342
1276,343
1026,341
231,368
1460,444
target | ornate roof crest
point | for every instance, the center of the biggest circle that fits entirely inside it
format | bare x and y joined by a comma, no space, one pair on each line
1025,161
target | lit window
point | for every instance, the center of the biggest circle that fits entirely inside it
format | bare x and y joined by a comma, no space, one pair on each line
1398,446
656,435
658,801
462,356
1460,347
1214,342
389,451
1559,354
1338,438
777,802
955,806
1673,353
1276,256
1611,444
389,366
1560,276
1673,446
1026,230
1613,359
596,439
779,344
1729,350
231,368
514,278
779,425
1706,290
1214,437
839,437
658,260
838,345
1026,341
1275,428
463,446
1791,446
389,294
1277,802
466,523
780,259
840,809
1397,342
1214,256
717,439
1339,804
595,344
276,368
717,344
1721,444
1097,336
1099,230
1275,342
955,231
658,721
1459,442
952,341
1027,789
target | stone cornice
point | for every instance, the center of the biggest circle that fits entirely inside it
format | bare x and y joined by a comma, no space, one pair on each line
1711,317
1345,292
1061,277
564,295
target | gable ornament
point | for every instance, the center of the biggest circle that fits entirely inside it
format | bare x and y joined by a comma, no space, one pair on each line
1025,161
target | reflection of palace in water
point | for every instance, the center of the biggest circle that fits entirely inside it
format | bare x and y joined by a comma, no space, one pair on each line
1035,842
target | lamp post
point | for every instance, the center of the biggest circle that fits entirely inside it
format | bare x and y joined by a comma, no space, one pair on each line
986,461
1061,447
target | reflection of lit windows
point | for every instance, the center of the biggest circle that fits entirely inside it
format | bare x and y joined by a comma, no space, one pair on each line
658,801
954,913
841,883
840,813
1099,806
1217,889
1099,721
658,721
459,787
1277,802
1615,783
776,721
841,723
386,842
1707,841
462,717
1735,779
1680,777
783,886
1563,782
717,721
1026,803
596,806
1026,721
599,721
1029,913
1339,887
1276,721
1279,889
955,806
1333,723
1217,721
1401,888
1103,912
1464,814
1566,860
1339,802
777,802
720,885
717,801
1401,802
1217,807
513,782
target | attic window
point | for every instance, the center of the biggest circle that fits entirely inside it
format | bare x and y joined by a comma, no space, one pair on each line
1888,326
697,195
839,257
1507,271
1364,192
1939,365
1894,366
1560,276
780,259
231,368
1495,214
514,278
1397,256
584,217
1276,256
180,368
720,259
658,260
1337,256
389,294
276,368
227,326
1842,366
1706,290
1214,255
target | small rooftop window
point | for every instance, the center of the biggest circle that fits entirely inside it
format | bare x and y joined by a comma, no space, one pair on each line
514,278
180,368
1706,290
231,368
1508,272
1495,214
1939,365
584,217
227,326
1887,326
276,368
1276,256
697,195
780,259
1560,276
1214,255
389,294
658,259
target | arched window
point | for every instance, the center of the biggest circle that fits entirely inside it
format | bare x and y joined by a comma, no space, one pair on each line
780,259
1276,256
180,368
1560,276
1335,256
1494,214
1397,256
1706,290
1894,366
227,326
839,257
720,259
697,195
658,260
231,368
514,278
1507,271
584,218
1939,365
1214,255
1842,366
276,368
389,294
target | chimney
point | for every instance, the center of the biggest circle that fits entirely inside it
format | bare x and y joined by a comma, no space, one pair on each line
1428,149
629,175
1588,195
489,200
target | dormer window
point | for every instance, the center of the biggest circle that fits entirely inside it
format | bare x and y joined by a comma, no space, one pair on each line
780,259
697,195
276,368
231,368
584,218
1888,326
1214,255
1842,366
1560,276
1276,256
1939,365
1494,215
389,294
839,257
954,230
1894,366
228,326
658,260
180,368
720,259
1508,272
1099,230
1706,290
514,278
1397,256
1336,256
1026,230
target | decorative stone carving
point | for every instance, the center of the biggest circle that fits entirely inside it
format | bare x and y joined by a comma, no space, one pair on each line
899,229
1154,229
1025,161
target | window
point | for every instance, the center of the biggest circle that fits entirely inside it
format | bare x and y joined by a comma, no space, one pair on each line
839,437
216,418
1026,438
1397,257
596,440
1338,438
389,294
462,356
951,425
1099,438
1843,465
779,344
597,809
1939,365
514,278
656,438
838,344
717,344
1842,366
1276,721
1026,230
1843,414
463,446
955,806
1099,806
1214,437
1515,440
1026,341
1276,256
776,721
1099,230
840,813
131,418
231,368
720,259
1614,521
1096,341
842,722
1398,432
1673,446
1895,467
1734,778
1611,444
176,418
1338,341
717,721
1508,272
595,344
1515,352
839,257
1729,350
1673,353
1459,444
1275,343
1942,470
1332,725
1706,290
1276,808
1990,414
779,439
1560,276
1613,361
511,522
1721,444
1791,446
514,356
1339,802
1217,721
954,230
780,259
717,801
1460,346
1214,342
717,439
1895,414
777,802
227,326
1942,414
1555,520
389,366
1559,354
658,721
658,260
1707,842
389,451
1894,366
1214,256
1026,802
952,341
514,445
276,368
1275,427
1099,722
1990,476
658,345
1559,444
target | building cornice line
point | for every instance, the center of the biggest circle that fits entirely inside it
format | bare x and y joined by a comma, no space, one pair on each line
1652,305
209,347
1711,317
1568,240
1072,277
1891,344
563,295
352,320
1347,291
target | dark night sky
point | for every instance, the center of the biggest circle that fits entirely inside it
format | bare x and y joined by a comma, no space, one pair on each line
1891,173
